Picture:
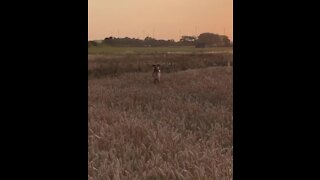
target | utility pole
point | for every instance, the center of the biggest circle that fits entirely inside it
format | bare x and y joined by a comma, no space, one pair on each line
196,31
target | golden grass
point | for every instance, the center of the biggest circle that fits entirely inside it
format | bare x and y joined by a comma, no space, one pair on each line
112,65
180,129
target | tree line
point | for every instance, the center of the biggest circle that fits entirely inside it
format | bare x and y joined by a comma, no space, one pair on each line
203,40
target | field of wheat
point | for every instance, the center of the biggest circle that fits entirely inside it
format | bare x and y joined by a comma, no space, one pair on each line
179,129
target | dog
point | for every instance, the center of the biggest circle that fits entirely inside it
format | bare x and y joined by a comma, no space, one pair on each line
156,73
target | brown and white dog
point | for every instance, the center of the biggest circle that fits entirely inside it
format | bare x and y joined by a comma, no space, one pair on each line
156,73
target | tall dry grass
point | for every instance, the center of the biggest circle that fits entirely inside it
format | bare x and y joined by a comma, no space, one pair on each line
101,66
180,129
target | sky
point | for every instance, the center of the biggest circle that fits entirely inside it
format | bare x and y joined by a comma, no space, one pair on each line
160,19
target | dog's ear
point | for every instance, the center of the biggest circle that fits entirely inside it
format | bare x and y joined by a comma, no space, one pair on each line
158,65
153,65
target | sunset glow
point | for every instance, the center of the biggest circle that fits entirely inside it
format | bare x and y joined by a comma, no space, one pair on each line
161,19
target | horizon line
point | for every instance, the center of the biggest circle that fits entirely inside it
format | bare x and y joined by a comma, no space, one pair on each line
158,39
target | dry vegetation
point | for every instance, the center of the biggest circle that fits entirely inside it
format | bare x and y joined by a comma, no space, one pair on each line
180,129
101,66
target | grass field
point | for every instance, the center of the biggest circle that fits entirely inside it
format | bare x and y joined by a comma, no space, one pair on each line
179,129
114,65
155,50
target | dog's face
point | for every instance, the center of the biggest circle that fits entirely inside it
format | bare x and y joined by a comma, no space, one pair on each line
156,67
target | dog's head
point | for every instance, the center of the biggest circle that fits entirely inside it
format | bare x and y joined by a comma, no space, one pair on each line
156,67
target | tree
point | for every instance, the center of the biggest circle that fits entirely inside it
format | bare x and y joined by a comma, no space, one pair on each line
200,45
209,39
225,41
149,41
212,39
108,40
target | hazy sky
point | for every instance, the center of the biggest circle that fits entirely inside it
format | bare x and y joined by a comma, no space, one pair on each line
161,19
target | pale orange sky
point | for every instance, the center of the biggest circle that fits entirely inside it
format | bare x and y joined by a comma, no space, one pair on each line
165,19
